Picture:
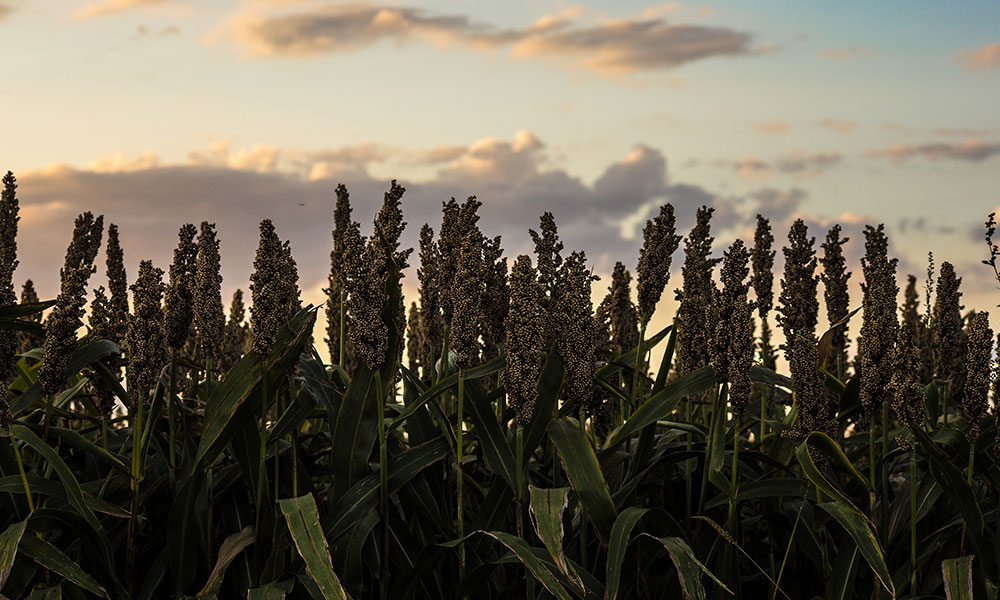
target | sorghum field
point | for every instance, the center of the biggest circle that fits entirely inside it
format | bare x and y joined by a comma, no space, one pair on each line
500,436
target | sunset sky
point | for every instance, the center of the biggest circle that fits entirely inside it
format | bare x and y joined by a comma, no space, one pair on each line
160,112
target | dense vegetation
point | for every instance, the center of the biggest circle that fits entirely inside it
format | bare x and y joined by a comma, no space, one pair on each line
542,457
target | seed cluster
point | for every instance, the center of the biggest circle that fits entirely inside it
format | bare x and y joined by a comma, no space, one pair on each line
696,296
946,323
430,324
496,297
101,324
907,393
273,288
835,277
659,242
798,305
117,285
617,317
179,299
468,292
577,341
525,341
146,344
879,324
235,340
978,380
27,340
65,319
210,323
762,280
732,342
9,209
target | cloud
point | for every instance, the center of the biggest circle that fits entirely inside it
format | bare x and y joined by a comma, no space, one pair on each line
607,47
5,10
969,150
112,7
798,164
848,53
237,187
776,126
985,57
839,125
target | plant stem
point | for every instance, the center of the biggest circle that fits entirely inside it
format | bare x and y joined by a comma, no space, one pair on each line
913,522
788,549
458,467
342,328
639,363
20,469
383,489
170,413
884,474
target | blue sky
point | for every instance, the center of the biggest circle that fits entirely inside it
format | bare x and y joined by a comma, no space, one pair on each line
164,111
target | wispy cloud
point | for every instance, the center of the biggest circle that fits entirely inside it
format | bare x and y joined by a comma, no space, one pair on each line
986,56
776,126
5,9
969,150
112,7
847,53
617,46
839,125
796,164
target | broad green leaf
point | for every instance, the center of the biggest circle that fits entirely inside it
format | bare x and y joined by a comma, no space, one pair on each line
957,574
717,443
53,559
303,523
689,568
776,487
860,529
496,449
546,510
585,474
13,311
231,547
627,359
444,385
9,541
355,431
662,404
74,495
363,496
549,383
522,550
820,442
617,546
844,568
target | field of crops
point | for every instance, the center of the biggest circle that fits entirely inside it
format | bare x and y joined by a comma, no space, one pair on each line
499,436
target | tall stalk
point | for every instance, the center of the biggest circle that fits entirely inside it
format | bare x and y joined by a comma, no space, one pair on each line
383,489
913,522
458,468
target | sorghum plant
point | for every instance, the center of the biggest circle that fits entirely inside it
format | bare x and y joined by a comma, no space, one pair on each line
835,277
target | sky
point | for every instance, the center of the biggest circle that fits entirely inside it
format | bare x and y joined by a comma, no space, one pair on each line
160,112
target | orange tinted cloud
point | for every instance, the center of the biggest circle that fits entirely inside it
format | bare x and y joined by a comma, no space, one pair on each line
775,126
839,125
984,57
846,53
969,150
111,7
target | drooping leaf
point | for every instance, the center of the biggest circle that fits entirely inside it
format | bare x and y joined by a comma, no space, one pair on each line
231,547
585,474
303,523
547,506
861,531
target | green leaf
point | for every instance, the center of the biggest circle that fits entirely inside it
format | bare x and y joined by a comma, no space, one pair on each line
355,431
661,404
820,442
9,541
363,496
717,443
13,311
53,559
617,546
549,382
547,506
957,574
585,474
231,547
627,359
74,495
496,449
522,550
844,568
860,529
303,523
688,567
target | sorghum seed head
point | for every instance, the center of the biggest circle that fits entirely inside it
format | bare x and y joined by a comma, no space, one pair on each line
978,379
117,286
146,346
659,242
179,299
208,316
879,324
697,296
835,276
525,343
798,303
